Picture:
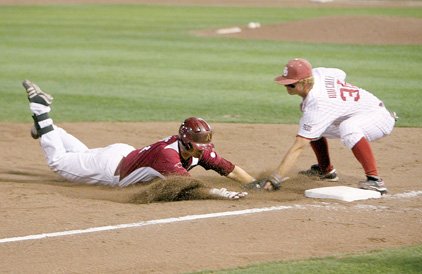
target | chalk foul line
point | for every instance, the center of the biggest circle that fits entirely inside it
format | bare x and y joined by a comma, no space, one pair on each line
147,223
411,194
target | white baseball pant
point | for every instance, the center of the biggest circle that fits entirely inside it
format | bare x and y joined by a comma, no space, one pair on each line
72,159
372,126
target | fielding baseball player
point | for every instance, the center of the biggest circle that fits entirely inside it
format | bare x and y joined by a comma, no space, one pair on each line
332,108
123,165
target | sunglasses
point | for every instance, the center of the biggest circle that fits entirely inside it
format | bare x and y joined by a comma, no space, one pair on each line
290,86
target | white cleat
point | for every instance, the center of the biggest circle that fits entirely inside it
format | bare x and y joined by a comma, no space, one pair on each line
36,95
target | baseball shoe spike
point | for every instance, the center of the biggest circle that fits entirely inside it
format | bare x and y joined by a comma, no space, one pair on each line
36,95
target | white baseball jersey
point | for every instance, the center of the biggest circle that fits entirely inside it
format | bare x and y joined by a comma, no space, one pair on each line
334,108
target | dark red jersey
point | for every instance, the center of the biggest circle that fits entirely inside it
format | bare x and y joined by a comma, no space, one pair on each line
163,159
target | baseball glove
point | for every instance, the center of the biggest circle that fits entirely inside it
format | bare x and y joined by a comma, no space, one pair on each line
259,184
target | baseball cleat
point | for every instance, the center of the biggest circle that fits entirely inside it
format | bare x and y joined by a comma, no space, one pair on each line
36,95
373,183
315,171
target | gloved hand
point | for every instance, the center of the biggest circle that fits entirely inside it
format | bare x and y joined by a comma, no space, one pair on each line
274,181
223,192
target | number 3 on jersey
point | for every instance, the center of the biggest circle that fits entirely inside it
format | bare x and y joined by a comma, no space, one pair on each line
348,91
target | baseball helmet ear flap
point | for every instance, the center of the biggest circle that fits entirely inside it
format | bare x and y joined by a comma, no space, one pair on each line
196,133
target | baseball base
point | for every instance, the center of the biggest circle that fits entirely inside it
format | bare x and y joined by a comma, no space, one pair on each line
229,30
343,193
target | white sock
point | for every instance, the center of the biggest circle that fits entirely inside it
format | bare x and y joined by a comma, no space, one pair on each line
38,109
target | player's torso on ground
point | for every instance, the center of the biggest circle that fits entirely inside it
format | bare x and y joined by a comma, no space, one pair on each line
164,157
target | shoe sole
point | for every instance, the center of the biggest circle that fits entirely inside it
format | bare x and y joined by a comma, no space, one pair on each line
317,177
33,91
336,179
382,190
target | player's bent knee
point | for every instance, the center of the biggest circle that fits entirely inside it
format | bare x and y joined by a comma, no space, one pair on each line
351,139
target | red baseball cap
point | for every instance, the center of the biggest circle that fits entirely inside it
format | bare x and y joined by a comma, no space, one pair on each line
295,70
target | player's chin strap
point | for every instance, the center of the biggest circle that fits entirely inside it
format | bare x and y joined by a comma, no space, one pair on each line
186,146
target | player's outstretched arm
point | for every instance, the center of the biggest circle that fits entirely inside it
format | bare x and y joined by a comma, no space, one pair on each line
291,156
239,175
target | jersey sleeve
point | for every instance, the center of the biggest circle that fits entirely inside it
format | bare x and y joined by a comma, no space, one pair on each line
211,160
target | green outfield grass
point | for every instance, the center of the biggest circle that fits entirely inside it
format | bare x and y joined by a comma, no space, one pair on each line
394,261
140,63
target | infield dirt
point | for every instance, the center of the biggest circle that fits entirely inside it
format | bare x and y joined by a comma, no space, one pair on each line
34,200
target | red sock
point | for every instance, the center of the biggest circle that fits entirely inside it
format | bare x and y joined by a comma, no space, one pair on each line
363,153
320,148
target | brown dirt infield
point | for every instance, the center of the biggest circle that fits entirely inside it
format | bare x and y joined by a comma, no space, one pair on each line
357,30
34,200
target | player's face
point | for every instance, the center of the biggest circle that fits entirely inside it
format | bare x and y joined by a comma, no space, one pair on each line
190,152
291,89
298,88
